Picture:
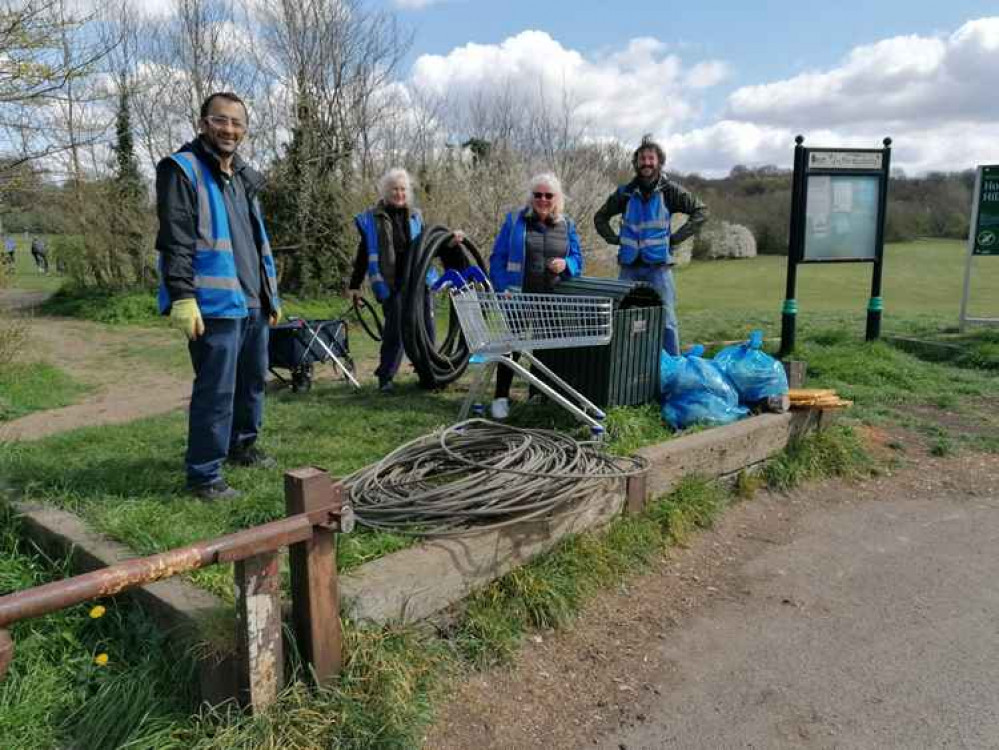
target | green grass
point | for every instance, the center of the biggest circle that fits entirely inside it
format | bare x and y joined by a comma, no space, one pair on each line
101,306
127,480
34,386
26,276
393,675
54,694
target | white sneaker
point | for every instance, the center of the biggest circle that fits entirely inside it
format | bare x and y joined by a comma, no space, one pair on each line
500,408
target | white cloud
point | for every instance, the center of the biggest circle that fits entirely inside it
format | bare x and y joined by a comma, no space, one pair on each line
896,82
934,96
638,89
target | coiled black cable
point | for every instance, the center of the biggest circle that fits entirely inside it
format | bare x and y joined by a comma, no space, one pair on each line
362,308
479,475
437,363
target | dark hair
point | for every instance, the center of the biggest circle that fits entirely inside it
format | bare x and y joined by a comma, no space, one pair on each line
648,144
205,105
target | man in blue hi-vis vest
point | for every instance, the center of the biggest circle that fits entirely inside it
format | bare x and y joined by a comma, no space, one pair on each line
645,241
218,284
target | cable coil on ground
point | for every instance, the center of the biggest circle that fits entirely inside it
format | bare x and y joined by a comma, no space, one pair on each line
479,475
437,364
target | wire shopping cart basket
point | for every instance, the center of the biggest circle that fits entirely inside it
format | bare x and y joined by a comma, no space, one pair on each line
496,324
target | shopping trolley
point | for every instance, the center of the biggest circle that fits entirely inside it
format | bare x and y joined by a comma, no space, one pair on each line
496,324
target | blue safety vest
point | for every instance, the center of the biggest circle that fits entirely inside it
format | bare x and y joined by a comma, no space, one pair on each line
367,225
644,230
216,283
506,264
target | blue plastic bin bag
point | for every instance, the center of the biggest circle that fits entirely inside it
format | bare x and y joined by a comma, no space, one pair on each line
754,373
700,393
669,373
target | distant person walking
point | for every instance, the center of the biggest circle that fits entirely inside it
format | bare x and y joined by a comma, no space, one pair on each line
645,242
10,248
40,253
219,286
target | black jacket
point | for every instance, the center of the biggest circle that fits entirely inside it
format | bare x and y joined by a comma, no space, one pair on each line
177,208
676,197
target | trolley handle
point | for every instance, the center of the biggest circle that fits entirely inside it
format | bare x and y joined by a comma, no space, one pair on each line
455,279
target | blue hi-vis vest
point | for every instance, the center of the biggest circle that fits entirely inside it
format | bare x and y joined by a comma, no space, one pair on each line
644,230
367,225
506,264
216,284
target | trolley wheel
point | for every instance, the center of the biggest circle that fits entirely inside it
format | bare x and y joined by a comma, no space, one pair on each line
301,380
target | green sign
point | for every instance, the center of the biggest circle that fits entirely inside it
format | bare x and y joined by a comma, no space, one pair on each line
986,226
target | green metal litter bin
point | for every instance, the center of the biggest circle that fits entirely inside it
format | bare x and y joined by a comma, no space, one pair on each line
625,372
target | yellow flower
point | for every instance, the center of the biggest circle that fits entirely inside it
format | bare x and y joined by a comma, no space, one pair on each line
101,660
97,612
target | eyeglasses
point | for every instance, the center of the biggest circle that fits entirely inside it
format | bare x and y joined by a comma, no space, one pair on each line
546,196
220,121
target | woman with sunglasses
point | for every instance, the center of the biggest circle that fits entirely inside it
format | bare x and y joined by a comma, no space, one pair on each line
536,248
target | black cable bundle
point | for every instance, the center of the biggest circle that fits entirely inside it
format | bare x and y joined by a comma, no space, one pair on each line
436,363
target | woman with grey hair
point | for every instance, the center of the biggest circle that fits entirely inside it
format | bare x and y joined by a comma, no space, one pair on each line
388,230
536,248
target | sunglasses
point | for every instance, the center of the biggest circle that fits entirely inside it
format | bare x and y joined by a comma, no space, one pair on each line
546,196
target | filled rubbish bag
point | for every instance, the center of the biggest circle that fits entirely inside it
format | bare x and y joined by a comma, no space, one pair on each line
754,373
697,392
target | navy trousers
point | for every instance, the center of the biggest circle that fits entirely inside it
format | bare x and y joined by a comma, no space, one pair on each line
227,401
391,353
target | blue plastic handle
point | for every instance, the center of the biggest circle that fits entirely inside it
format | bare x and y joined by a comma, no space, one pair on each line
450,278
475,275
697,350
756,339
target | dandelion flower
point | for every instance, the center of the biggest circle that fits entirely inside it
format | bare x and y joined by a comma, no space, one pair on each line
101,660
97,612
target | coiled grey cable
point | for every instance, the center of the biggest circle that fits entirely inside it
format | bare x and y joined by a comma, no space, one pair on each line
479,475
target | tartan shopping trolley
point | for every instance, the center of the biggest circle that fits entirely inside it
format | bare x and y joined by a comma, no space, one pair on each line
496,324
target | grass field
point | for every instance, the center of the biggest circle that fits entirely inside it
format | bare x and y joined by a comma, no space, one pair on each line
126,480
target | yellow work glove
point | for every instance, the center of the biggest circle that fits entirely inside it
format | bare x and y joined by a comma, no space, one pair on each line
185,315
276,316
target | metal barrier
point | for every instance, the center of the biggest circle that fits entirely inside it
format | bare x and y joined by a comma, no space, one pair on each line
316,512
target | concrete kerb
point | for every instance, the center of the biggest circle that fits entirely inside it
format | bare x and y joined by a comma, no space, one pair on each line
414,583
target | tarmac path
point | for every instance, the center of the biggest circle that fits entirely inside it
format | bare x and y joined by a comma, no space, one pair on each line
844,615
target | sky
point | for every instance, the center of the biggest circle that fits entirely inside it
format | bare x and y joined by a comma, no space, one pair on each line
725,82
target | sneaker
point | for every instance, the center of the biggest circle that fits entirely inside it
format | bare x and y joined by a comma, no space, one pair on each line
385,386
500,408
251,456
217,490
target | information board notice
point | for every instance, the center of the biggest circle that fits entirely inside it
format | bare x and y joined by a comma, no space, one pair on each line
986,230
841,217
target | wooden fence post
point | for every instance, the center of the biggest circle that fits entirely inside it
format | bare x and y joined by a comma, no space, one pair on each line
635,494
260,655
6,652
314,588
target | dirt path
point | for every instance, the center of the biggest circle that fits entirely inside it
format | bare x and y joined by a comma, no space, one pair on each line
133,372
844,615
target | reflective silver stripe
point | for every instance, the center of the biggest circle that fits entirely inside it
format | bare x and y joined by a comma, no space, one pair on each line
222,246
217,282
655,224
372,257
376,277
629,241
511,267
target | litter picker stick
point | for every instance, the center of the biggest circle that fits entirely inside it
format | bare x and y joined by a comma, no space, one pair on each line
330,354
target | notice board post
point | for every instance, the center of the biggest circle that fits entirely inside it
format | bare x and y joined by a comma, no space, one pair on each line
983,232
838,204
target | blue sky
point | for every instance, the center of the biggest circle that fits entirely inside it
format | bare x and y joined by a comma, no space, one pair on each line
921,72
